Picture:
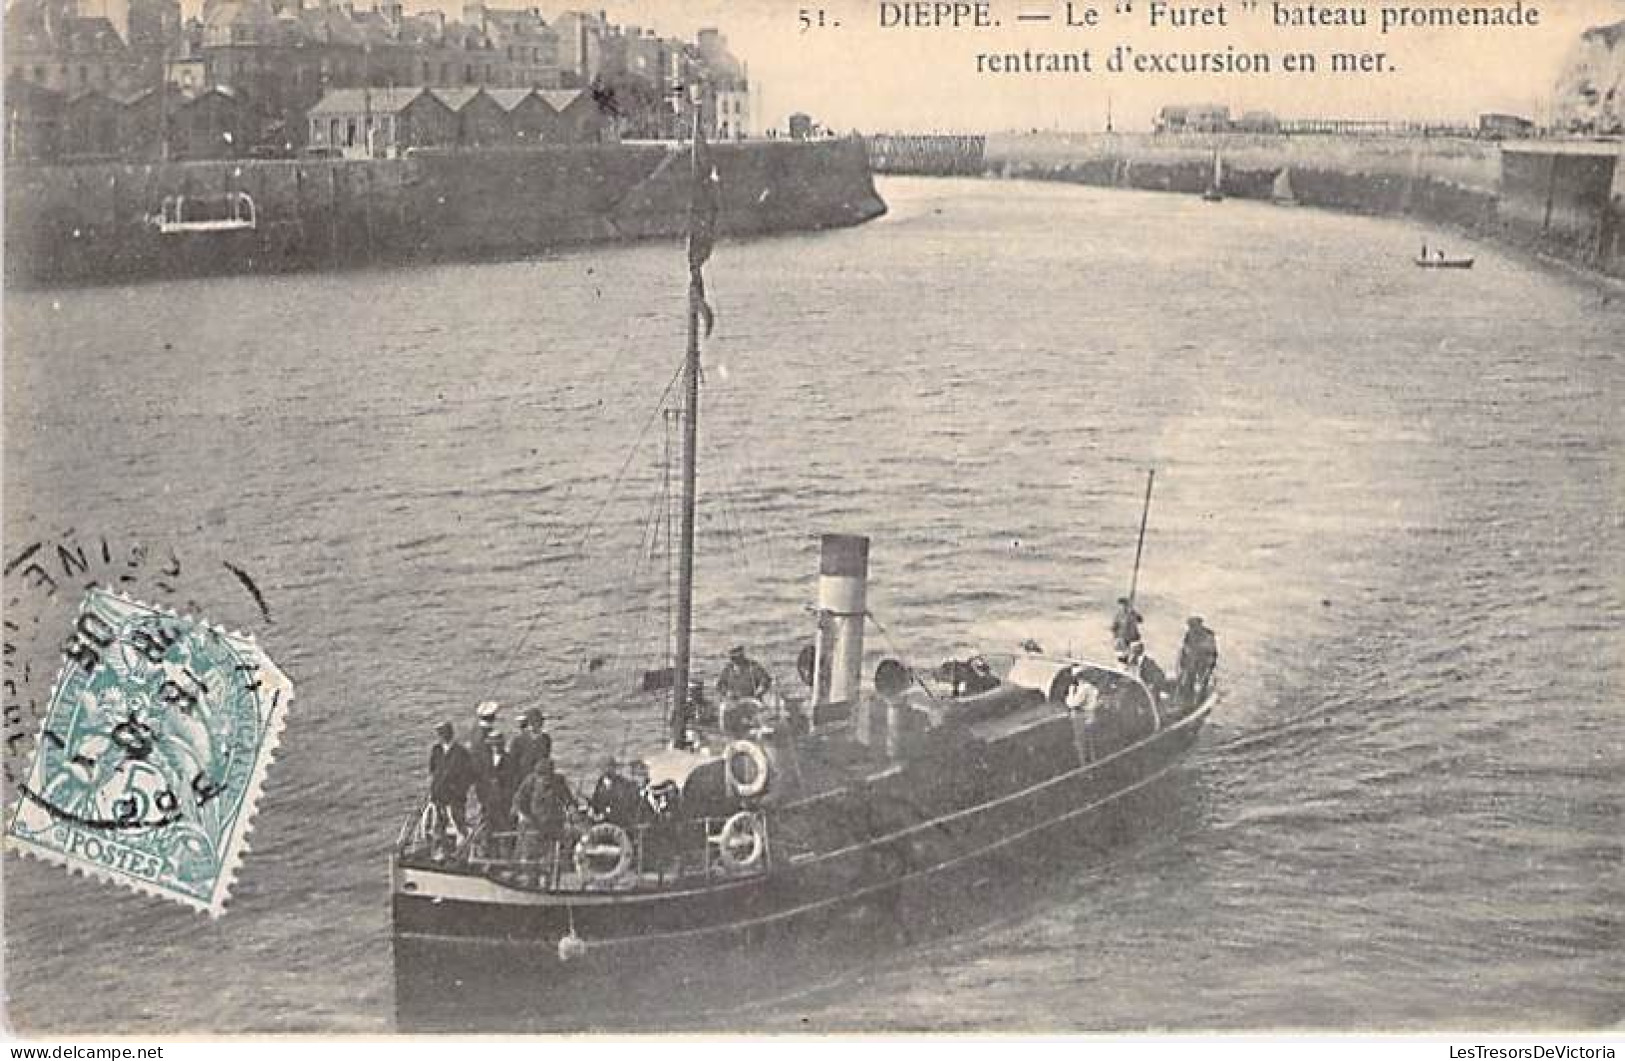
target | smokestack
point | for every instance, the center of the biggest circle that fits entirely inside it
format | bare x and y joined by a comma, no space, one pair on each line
843,572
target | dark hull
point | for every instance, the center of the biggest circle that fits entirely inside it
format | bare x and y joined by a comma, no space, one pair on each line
1445,263
668,961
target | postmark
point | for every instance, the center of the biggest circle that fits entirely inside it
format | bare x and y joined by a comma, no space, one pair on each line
45,579
153,748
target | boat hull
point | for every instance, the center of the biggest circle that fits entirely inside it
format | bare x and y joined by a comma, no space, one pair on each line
468,955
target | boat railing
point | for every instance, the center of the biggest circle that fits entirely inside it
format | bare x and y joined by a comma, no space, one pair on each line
659,853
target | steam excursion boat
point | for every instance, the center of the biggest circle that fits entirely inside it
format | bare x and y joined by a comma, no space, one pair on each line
772,822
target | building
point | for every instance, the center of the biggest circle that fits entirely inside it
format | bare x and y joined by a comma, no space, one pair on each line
146,127
729,116
579,120
381,123
212,124
90,127
527,48
1589,96
1503,126
1256,122
34,119
1195,118
481,120
49,44
580,37
531,120
278,59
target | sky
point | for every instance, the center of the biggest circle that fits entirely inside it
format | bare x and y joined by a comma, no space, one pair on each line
853,73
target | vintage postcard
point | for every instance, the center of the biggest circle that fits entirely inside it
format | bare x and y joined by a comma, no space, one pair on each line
1091,517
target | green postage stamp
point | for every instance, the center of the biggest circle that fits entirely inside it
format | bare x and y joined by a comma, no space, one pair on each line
155,742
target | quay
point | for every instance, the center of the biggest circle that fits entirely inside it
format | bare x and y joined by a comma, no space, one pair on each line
1562,198
114,221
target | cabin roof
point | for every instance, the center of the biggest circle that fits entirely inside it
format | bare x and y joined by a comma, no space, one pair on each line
362,100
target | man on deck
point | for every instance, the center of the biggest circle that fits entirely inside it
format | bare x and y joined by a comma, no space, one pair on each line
542,806
616,798
1125,627
521,757
1146,668
743,677
451,775
487,748
1198,656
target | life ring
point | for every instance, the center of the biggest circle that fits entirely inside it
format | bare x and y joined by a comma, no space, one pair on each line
747,768
741,843
604,853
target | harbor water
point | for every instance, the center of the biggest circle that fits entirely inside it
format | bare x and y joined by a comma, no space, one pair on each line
1394,493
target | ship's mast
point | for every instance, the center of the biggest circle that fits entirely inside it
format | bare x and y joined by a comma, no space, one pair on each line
681,663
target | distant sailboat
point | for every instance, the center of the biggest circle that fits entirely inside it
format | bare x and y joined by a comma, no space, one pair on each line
1215,188
1281,192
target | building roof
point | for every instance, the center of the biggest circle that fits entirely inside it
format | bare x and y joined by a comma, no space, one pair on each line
560,98
87,97
364,100
457,98
53,26
509,98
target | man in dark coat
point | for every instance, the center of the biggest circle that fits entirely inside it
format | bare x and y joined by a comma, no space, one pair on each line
451,775
1149,673
616,798
1198,657
1125,627
742,677
542,806
521,757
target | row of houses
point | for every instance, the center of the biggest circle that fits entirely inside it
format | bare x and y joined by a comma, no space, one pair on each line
386,123
43,125
47,126
283,56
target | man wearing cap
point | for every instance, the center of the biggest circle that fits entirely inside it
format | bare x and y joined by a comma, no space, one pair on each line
451,774
487,748
1198,656
1125,627
742,676
616,797
1145,668
542,807
521,757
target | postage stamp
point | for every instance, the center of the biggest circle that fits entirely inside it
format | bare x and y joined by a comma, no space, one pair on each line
152,752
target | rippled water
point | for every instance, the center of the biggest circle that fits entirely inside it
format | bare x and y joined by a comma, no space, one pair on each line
1395,493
